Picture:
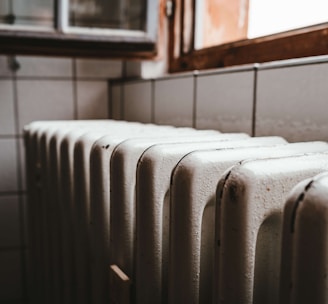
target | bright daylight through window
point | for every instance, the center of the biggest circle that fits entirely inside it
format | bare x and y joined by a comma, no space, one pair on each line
218,21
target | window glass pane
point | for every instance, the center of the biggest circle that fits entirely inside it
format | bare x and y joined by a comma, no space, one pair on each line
220,21
4,10
114,14
27,12
268,17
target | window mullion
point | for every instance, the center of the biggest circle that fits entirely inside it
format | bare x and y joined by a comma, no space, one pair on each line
61,15
188,26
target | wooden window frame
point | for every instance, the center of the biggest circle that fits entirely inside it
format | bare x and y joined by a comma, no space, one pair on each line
304,42
67,41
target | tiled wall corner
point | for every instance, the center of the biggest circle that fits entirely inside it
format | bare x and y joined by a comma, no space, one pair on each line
292,101
221,100
284,98
174,101
137,101
224,101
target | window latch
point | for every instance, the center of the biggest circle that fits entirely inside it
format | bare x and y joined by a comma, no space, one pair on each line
169,8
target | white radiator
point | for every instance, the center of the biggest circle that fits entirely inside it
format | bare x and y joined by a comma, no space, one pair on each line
124,212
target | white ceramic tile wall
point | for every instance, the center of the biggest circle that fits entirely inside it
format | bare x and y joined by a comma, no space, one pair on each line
44,67
4,66
289,99
44,99
92,68
7,117
174,101
92,99
224,101
137,101
8,165
292,101
42,88
116,100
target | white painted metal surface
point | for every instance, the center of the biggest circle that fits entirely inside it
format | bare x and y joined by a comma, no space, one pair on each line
32,135
194,185
74,188
100,156
304,253
103,193
37,137
153,195
81,200
43,223
251,198
53,199
123,181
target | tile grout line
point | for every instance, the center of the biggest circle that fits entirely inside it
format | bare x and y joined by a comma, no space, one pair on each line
109,100
254,102
122,106
22,240
194,105
152,104
122,102
74,80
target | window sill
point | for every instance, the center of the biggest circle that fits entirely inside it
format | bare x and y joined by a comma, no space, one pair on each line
48,43
311,41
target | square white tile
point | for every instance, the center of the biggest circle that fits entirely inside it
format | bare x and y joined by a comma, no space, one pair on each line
4,67
292,102
9,221
8,165
44,67
10,275
225,101
44,100
95,68
137,101
174,99
7,114
92,99
116,101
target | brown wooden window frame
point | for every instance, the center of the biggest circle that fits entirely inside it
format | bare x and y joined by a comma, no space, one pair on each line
57,42
303,42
